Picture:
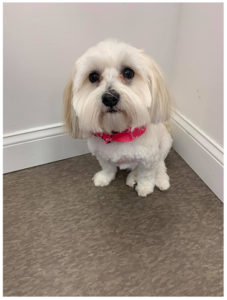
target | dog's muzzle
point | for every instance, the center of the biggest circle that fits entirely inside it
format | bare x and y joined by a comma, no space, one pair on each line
110,98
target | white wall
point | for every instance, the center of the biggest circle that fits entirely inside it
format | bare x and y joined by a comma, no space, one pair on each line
197,76
42,41
197,86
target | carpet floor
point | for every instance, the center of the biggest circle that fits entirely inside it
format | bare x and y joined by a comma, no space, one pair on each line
65,237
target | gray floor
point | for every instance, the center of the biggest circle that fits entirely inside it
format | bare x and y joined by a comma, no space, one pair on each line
65,237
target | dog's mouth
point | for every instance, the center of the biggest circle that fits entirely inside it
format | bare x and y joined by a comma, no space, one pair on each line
112,110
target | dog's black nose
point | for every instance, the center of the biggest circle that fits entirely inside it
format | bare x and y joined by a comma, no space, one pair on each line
110,98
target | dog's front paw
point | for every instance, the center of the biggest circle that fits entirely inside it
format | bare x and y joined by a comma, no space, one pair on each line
144,189
162,182
102,178
131,179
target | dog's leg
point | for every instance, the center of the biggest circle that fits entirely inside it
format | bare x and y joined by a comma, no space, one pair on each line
162,178
106,175
145,179
131,178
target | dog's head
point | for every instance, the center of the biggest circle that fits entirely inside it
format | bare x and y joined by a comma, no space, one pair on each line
114,86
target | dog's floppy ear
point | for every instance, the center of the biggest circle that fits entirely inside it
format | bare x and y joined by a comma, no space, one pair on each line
161,101
71,121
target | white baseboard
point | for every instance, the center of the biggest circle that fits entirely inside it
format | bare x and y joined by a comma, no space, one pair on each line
200,152
36,146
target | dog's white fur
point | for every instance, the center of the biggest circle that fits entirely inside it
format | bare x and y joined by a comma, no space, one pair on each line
144,100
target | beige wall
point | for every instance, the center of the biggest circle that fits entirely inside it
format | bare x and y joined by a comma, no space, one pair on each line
42,41
197,77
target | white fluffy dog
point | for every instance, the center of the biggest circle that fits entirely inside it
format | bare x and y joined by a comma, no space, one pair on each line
117,99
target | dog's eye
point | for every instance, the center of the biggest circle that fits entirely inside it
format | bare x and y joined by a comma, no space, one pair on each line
128,73
94,76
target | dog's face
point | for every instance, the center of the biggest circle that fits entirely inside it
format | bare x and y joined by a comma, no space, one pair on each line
114,86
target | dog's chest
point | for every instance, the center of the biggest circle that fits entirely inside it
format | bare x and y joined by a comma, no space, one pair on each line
124,155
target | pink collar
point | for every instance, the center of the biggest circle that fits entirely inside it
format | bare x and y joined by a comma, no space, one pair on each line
124,136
